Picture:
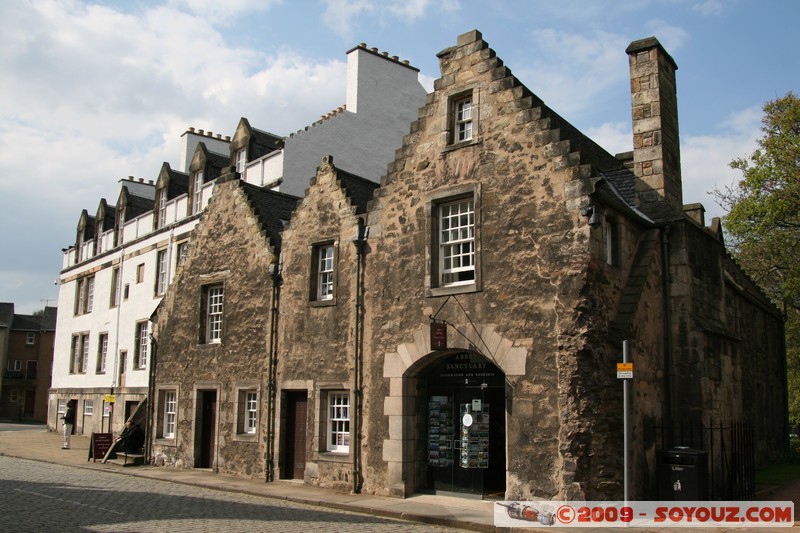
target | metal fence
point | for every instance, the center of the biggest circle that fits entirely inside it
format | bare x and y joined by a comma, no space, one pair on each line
731,454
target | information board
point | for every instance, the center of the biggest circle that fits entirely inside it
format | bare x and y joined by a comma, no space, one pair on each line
99,444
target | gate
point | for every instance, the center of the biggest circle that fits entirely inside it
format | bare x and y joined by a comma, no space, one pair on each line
731,454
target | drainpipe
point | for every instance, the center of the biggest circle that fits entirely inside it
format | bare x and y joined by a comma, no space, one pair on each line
275,274
668,345
151,387
360,244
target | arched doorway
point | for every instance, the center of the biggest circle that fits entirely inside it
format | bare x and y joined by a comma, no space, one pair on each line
464,417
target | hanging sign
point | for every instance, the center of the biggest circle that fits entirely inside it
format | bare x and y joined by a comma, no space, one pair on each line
109,398
438,336
624,370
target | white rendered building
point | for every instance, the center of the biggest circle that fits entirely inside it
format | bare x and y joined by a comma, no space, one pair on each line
126,254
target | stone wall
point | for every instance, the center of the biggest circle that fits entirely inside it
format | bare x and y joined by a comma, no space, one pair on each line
228,246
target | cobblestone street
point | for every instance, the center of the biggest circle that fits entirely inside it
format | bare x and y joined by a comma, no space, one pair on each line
41,497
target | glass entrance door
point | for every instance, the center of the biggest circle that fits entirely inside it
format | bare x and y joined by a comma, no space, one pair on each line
466,426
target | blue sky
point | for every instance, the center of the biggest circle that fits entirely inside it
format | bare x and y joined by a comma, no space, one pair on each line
93,92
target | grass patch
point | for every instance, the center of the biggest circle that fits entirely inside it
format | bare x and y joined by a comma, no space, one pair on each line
779,474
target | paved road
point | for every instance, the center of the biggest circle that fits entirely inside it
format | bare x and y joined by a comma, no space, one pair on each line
41,497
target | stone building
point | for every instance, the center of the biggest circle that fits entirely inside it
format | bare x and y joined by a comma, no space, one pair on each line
126,253
456,327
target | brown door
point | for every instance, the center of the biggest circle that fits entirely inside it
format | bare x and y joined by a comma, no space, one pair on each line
295,449
30,402
208,429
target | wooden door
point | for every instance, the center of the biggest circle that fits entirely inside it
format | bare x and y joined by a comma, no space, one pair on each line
208,429
294,464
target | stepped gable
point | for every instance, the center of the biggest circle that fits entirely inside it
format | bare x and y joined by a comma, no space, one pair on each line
273,210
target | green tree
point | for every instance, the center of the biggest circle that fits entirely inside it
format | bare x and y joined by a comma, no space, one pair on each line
763,222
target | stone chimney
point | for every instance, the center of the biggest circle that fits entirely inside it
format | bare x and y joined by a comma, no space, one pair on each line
656,144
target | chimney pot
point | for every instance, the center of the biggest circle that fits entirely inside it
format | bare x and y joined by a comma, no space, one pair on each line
191,129
201,132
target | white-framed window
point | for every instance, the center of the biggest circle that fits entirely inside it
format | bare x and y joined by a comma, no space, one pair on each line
162,208
457,242
102,353
14,365
161,272
197,192
140,350
247,411
251,411
325,272
170,414
183,247
338,422
89,294
116,287
88,407
80,353
240,158
61,407
463,119
30,338
214,296
80,296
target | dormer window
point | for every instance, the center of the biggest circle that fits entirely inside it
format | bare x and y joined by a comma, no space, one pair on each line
118,231
197,192
240,158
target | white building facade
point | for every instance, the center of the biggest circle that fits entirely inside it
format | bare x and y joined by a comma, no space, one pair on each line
126,255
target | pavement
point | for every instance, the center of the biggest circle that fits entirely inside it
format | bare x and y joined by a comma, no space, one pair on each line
35,442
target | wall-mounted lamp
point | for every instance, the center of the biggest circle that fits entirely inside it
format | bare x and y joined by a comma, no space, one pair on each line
594,217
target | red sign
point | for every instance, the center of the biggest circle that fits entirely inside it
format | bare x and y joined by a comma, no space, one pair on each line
438,336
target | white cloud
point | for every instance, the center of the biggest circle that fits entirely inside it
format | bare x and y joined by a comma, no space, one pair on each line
705,159
614,137
708,7
670,36
343,16
222,11
99,94
595,61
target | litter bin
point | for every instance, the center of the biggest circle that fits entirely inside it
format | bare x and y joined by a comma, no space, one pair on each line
682,474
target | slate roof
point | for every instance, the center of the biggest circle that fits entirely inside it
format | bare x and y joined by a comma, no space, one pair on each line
46,322
273,210
359,190
263,143
178,182
137,205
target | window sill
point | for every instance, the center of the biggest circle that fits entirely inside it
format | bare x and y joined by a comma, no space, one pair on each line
334,457
462,144
245,437
452,289
161,441
323,303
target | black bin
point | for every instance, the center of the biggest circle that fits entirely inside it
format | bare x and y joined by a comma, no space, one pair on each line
682,474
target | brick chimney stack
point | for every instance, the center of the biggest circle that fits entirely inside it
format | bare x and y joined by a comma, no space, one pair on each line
656,144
